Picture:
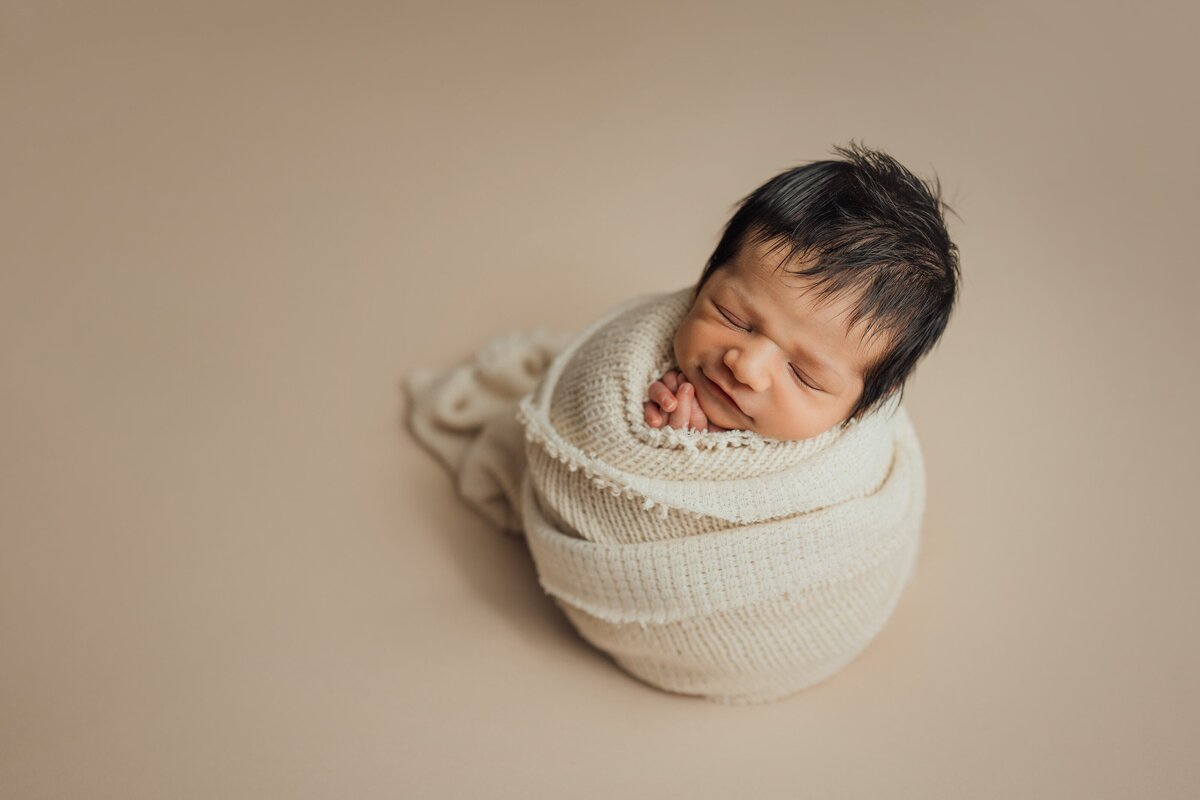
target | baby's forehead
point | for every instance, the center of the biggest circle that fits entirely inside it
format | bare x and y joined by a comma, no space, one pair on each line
777,282
804,304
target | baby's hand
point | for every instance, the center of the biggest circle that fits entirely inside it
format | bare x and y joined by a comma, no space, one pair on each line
673,402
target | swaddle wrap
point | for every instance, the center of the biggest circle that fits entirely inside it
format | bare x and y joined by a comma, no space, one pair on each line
727,565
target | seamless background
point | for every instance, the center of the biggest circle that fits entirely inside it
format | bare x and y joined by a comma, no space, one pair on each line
227,230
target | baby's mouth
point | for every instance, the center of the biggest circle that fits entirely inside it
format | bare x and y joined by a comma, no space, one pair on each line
714,389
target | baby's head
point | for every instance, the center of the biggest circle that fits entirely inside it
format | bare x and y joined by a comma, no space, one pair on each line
831,281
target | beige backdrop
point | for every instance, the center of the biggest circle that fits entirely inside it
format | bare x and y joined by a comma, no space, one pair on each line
228,229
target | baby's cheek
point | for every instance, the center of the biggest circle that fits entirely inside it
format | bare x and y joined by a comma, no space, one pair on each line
684,344
679,344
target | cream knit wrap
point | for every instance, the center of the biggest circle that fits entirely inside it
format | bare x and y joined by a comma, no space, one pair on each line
727,565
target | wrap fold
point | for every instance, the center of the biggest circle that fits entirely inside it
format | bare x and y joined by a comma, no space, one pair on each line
726,565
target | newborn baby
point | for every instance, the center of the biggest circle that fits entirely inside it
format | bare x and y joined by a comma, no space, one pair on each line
761,551
791,344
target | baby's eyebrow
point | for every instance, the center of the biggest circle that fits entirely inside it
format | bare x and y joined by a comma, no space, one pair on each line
812,359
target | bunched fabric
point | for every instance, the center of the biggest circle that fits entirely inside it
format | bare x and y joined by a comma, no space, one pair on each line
726,565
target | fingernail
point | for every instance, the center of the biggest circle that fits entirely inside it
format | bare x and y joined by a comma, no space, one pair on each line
669,404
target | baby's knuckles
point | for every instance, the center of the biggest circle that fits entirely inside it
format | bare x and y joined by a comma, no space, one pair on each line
664,397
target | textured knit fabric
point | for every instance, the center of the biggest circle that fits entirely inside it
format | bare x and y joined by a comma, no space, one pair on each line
726,565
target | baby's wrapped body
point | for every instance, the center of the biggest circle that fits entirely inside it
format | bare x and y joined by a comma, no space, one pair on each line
721,564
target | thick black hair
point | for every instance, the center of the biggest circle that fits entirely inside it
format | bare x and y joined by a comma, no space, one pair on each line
867,228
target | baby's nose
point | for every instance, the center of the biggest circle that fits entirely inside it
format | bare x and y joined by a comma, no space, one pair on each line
748,368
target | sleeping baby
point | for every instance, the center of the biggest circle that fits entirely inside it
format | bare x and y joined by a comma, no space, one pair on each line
831,281
719,485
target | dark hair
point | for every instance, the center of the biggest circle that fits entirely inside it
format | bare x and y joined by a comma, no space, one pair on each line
873,230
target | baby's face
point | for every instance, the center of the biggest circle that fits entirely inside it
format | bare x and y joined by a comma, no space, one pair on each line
764,356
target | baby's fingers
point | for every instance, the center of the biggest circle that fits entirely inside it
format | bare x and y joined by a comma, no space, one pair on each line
682,415
654,417
662,395
699,420
672,379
